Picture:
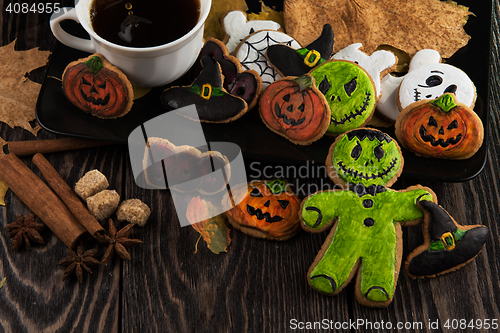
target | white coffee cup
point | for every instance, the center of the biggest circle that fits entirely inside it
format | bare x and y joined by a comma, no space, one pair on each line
147,66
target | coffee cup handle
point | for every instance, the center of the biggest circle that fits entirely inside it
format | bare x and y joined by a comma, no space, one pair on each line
69,40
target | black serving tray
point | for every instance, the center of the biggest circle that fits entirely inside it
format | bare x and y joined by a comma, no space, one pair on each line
56,114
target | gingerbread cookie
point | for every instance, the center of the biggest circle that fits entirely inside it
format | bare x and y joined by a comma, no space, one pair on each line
290,62
213,103
441,128
367,215
251,52
245,84
97,87
349,91
427,79
186,168
266,209
294,108
237,27
447,245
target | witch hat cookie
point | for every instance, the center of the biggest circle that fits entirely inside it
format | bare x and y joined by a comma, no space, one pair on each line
290,62
447,245
213,103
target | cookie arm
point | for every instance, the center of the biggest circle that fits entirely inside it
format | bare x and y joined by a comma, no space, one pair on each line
319,210
408,211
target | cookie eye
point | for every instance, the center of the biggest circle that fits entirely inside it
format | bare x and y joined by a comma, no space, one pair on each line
102,85
356,151
324,86
378,152
454,124
283,203
450,89
433,81
256,193
286,98
350,86
85,81
432,122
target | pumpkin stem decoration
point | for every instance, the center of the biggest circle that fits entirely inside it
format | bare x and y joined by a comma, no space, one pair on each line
97,87
441,128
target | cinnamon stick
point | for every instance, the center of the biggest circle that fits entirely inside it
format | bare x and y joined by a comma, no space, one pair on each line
31,147
40,199
68,196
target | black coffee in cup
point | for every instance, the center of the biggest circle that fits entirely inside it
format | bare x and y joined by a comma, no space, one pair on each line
143,23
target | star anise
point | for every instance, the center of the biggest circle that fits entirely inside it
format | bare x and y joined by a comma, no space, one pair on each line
25,228
118,242
77,261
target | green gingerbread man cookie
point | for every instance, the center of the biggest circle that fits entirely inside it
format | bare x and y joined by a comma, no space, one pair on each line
366,238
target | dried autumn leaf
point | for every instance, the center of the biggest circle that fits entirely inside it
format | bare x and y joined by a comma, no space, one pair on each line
212,228
3,190
269,14
213,26
3,283
406,25
18,94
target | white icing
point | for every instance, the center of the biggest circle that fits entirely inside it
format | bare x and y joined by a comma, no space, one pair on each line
237,27
252,53
374,64
387,105
427,78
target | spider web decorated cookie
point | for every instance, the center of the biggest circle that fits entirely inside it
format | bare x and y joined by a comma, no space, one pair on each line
251,52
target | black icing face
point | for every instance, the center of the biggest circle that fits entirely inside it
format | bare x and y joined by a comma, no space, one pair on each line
94,93
434,86
349,91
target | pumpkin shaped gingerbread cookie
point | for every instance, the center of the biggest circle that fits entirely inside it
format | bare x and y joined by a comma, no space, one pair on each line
267,209
441,128
97,87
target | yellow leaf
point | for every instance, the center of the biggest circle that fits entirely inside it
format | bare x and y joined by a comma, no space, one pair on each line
18,94
267,13
3,283
213,26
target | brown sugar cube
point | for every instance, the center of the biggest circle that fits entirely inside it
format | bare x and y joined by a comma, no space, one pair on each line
91,183
103,204
134,211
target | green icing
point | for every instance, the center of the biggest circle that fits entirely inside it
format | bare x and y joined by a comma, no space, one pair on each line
366,168
94,64
439,246
446,102
216,91
374,246
276,186
350,109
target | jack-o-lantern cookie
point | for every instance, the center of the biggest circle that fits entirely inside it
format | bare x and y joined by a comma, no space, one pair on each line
266,209
213,103
97,87
349,91
291,62
441,128
294,108
251,52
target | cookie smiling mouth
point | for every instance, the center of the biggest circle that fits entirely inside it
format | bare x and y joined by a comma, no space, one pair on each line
439,142
257,212
95,101
354,114
357,174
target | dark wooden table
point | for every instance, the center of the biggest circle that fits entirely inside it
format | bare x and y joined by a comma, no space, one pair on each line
258,286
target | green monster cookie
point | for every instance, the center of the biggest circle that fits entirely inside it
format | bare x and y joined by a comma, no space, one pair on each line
366,216
350,93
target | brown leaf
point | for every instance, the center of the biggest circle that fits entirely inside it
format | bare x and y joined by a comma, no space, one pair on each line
18,94
212,228
267,13
406,25
213,26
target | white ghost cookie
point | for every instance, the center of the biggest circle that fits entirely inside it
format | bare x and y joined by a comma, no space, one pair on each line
378,65
427,79
251,52
237,27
